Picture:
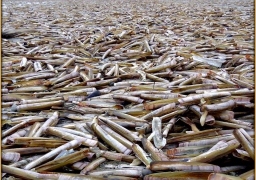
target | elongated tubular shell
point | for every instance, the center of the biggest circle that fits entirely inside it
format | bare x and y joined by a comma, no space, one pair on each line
161,67
66,135
26,174
52,121
155,153
183,166
217,152
221,176
141,154
62,161
246,144
121,130
129,98
117,136
196,98
160,111
119,172
177,175
51,154
219,107
192,135
110,140
93,165
113,155
36,106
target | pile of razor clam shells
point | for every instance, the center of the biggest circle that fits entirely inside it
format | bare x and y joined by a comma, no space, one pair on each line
125,90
